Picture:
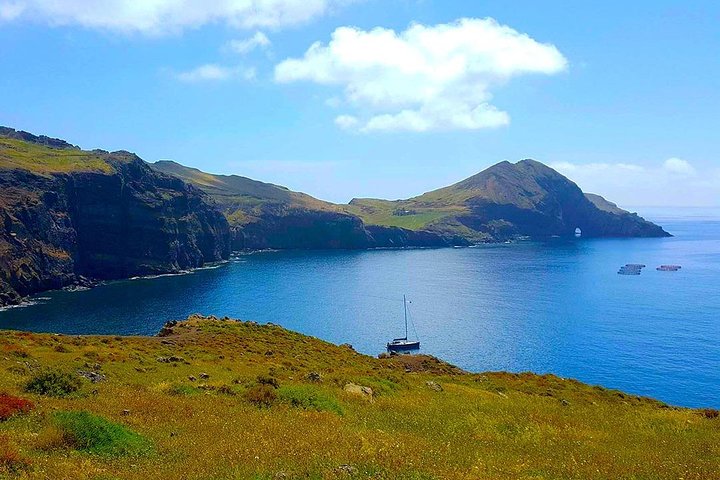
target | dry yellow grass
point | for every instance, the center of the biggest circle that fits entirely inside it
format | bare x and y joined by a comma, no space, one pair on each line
492,425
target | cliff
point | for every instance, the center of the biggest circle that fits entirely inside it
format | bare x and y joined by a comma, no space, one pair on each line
69,216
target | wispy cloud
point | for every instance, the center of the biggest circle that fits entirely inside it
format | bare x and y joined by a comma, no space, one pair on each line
156,17
245,46
424,78
674,181
216,73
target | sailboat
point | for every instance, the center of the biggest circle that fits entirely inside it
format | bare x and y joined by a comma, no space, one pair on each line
403,344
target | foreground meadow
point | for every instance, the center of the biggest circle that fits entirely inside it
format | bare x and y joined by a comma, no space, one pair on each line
220,399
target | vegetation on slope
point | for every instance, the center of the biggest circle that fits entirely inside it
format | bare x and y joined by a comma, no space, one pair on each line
42,159
243,198
505,201
217,399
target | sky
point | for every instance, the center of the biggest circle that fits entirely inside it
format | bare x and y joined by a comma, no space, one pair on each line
380,98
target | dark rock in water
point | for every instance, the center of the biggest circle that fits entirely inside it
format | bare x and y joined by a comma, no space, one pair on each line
117,218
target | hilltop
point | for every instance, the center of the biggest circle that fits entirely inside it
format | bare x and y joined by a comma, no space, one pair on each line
214,398
505,201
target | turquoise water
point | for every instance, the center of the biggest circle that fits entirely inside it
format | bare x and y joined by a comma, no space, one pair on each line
556,307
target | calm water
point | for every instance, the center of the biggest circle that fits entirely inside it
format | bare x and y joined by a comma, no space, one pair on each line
555,307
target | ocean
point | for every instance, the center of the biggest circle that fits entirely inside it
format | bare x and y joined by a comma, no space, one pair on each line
557,306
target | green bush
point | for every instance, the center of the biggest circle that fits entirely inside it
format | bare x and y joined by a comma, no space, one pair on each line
310,398
53,383
97,435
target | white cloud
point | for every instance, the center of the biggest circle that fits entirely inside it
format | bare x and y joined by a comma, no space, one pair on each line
673,182
426,77
11,10
679,166
164,16
346,122
259,40
216,73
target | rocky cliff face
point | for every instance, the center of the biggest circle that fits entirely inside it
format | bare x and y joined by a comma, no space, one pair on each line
62,226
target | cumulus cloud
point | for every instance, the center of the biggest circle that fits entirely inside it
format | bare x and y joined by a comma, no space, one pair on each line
163,16
426,77
215,73
259,40
673,182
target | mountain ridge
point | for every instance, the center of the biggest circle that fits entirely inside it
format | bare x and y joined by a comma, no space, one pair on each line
70,216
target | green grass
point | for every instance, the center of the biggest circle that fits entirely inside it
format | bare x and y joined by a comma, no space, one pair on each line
490,425
310,398
99,436
44,160
384,212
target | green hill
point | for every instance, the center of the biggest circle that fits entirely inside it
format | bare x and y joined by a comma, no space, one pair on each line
505,201
219,399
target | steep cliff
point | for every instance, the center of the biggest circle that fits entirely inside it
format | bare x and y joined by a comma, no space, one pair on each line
69,216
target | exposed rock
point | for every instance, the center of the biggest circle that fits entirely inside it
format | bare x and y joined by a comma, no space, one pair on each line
171,359
314,377
434,386
359,390
204,376
94,377
347,470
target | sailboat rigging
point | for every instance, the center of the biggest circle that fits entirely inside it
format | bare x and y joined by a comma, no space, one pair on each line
403,343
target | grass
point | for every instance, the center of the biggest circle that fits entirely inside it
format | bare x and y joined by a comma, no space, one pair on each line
99,436
149,420
310,398
46,160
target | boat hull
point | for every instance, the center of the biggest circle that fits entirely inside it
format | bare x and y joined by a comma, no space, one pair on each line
403,346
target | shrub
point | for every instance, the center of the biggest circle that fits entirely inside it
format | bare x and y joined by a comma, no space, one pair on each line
268,380
53,383
11,406
261,395
97,435
710,413
10,459
310,398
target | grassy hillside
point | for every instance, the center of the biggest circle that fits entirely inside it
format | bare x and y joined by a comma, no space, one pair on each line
242,198
43,159
218,399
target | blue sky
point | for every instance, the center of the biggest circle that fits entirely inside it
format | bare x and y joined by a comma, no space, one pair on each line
620,96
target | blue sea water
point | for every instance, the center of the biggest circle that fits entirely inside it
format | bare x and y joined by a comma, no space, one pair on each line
557,306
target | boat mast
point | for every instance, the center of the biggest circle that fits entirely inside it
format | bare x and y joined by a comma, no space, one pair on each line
405,305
